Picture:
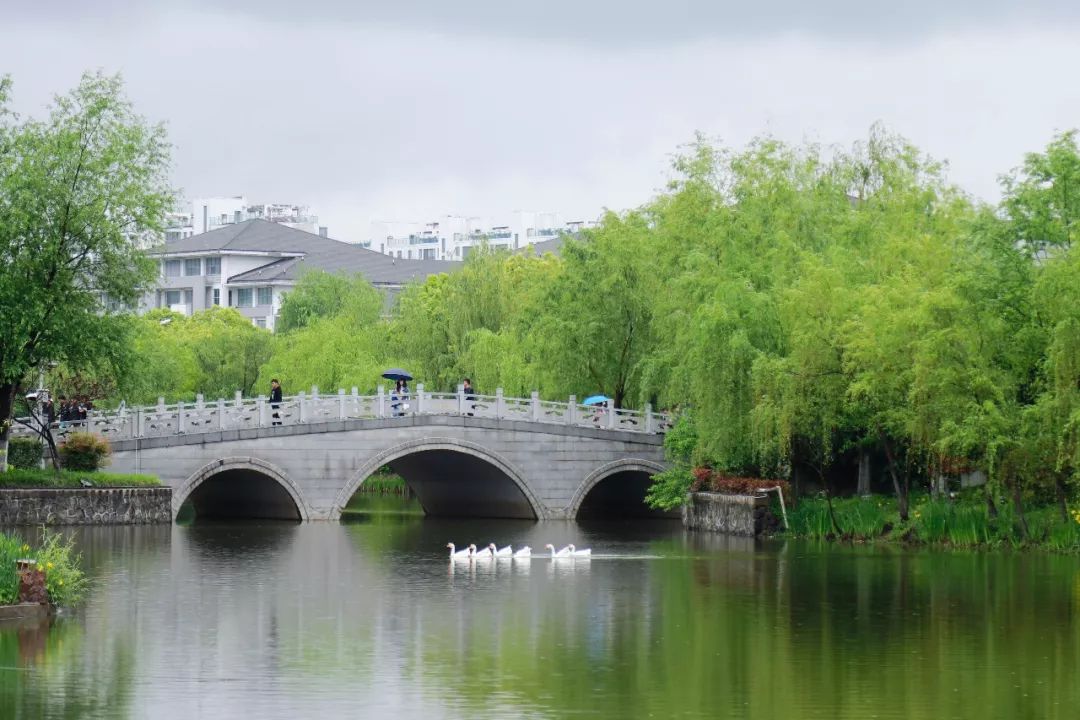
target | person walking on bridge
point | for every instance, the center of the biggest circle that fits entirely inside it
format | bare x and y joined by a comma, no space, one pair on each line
275,400
470,395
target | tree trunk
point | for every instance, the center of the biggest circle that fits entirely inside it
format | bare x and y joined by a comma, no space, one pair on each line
1059,488
864,473
991,507
828,501
7,405
1018,506
901,493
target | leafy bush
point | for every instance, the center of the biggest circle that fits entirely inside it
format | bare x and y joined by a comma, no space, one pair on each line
84,451
668,489
24,452
64,579
709,480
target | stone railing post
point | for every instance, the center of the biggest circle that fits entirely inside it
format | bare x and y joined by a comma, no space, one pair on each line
341,403
649,419
180,417
611,415
534,406
314,392
419,398
161,404
382,401
460,399
238,398
302,400
260,403
221,414
499,409
200,402
138,423
355,412
571,410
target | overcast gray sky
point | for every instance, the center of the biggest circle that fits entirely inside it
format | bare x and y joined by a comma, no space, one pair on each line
411,110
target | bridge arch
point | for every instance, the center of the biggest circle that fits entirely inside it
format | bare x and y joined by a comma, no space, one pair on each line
602,473
250,465
435,445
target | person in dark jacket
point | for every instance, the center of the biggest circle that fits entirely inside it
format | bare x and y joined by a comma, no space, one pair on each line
470,395
275,400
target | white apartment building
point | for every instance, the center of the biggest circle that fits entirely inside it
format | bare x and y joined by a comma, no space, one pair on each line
453,237
210,213
252,264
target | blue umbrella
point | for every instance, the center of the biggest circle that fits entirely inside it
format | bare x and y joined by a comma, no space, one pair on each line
397,374
596,400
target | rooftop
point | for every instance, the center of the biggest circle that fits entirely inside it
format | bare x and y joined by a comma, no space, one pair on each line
292,251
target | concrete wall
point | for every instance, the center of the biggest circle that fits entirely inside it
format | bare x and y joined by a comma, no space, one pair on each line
457,465
731,514
85,506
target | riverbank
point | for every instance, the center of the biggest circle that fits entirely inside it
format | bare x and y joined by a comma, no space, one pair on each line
35,478
961,522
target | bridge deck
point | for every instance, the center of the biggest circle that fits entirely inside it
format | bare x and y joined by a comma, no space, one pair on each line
314,412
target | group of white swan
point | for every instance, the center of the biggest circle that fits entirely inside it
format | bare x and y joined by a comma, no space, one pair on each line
491,551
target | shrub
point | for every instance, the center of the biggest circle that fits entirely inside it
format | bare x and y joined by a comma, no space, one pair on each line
668,489
707,479
84,451
64,579
24,452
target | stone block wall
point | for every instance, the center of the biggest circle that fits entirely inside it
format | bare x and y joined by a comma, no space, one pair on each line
732,514
85,506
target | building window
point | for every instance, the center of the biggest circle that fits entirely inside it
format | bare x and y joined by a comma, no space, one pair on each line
245,298
266,296
193,266
173,297
173,268
217,296
260,323
213,266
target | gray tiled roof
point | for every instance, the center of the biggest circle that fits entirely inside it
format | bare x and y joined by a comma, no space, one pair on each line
320,253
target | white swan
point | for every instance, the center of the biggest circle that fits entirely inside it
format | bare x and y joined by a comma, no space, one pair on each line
461,554
525,552
485,553
574,552
507,551
564,553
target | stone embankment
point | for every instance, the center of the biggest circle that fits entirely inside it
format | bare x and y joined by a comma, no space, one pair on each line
747,515
85,506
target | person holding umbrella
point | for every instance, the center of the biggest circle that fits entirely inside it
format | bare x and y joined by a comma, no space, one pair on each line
600,402
400,396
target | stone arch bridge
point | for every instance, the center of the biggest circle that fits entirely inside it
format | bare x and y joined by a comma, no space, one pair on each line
484,456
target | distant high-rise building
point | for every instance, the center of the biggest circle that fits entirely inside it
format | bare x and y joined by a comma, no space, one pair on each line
210,213
452,237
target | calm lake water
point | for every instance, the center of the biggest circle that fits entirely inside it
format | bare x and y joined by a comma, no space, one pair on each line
369,619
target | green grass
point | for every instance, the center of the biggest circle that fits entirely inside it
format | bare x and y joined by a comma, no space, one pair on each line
20,477
382,483
962,522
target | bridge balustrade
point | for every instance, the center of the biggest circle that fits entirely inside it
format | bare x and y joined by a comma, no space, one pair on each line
314,408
